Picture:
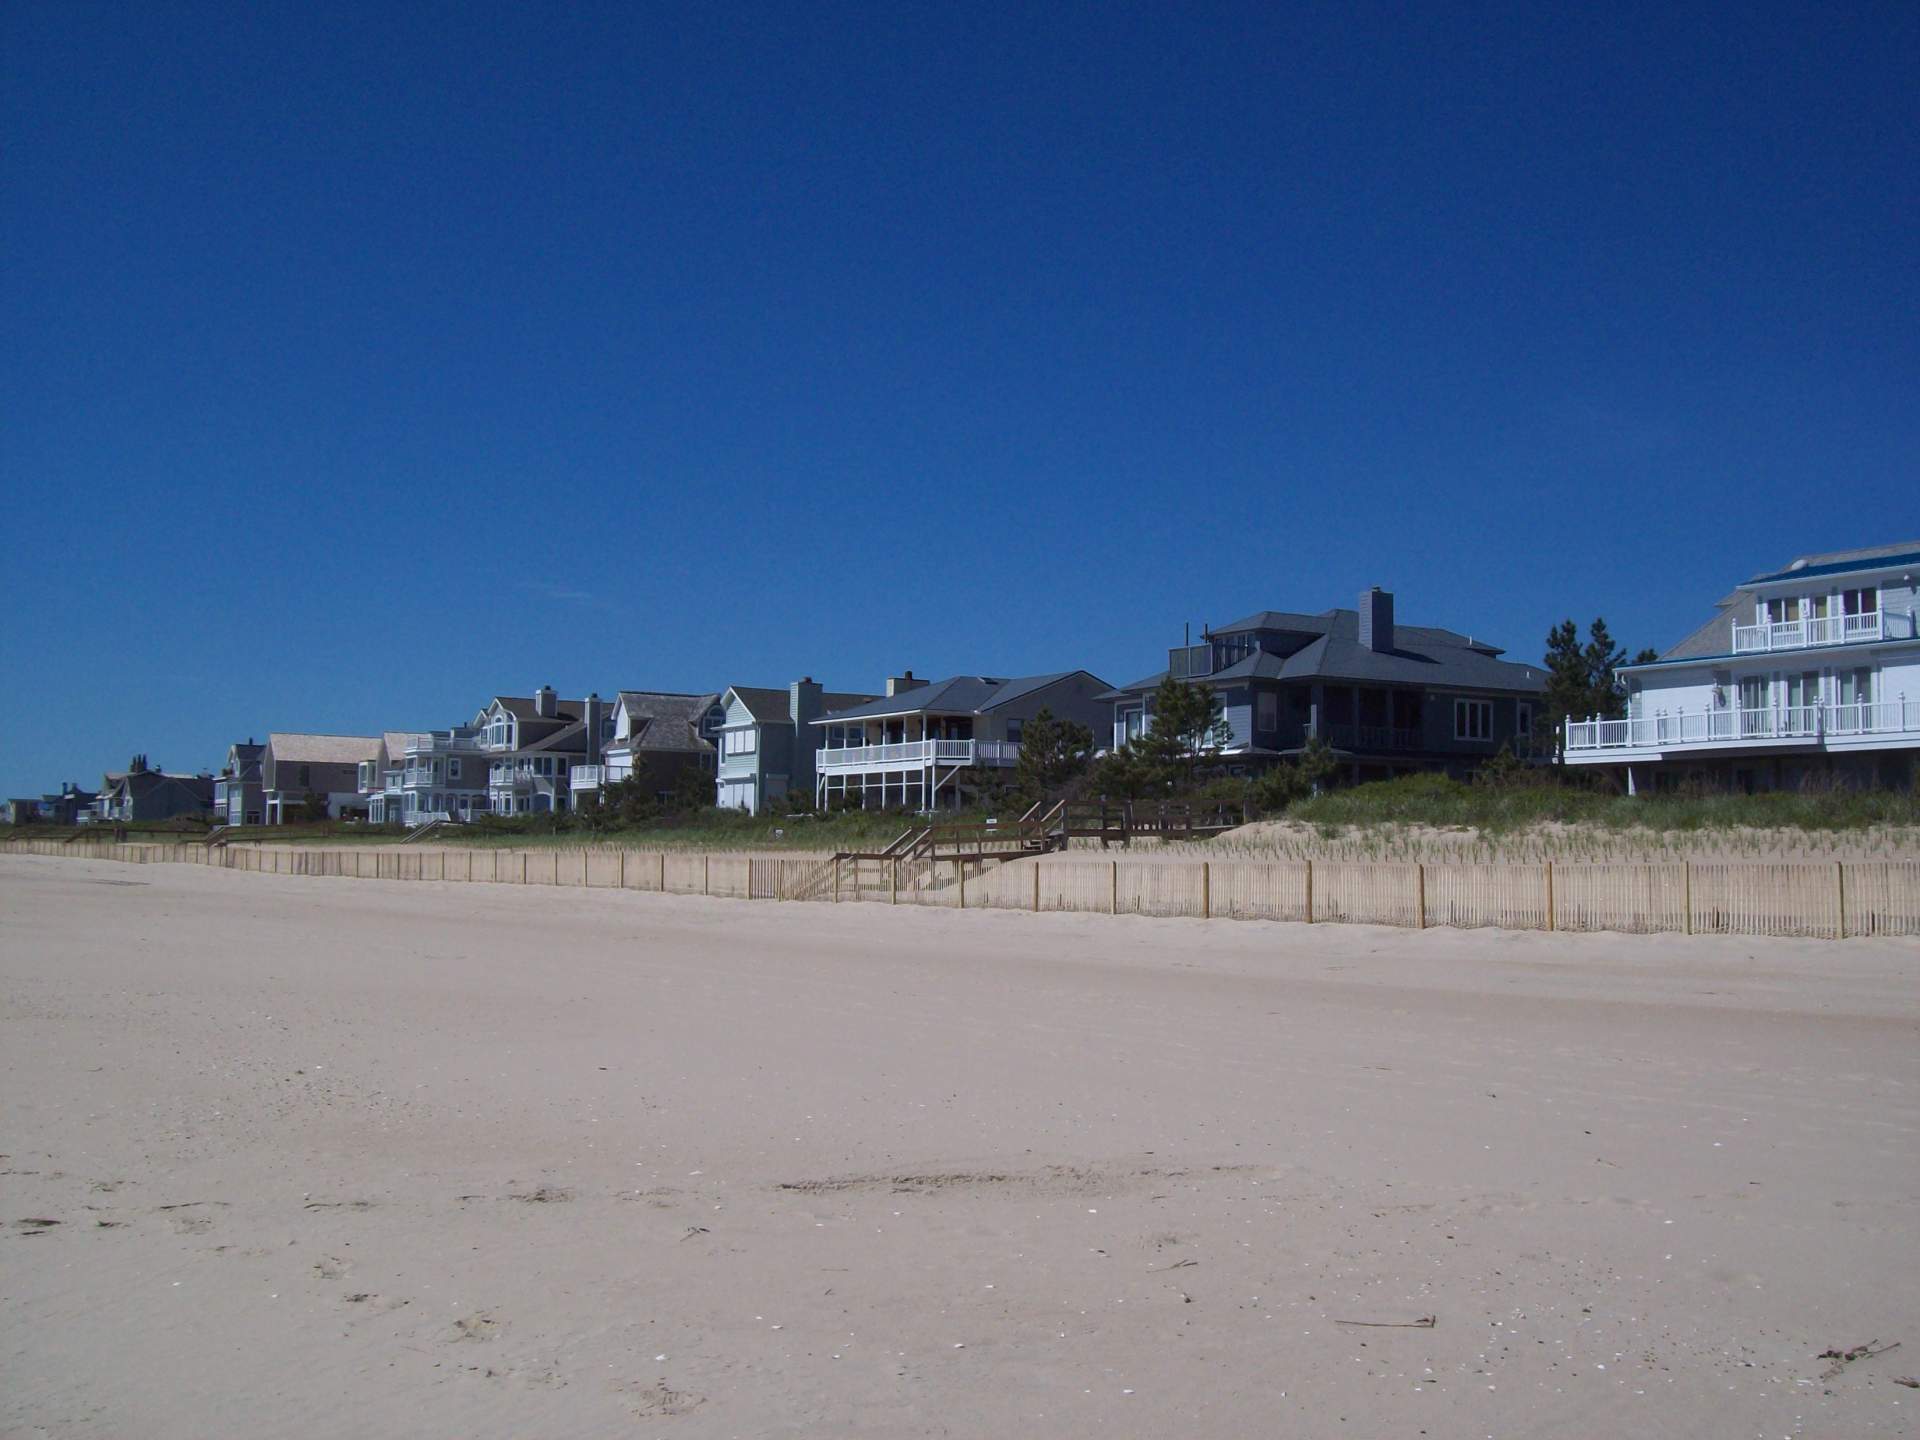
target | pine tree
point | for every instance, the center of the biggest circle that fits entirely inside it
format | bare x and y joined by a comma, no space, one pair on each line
1187,728
1052,752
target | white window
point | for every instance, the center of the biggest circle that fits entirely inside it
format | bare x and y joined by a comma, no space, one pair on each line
740,742
1473,719
1268,714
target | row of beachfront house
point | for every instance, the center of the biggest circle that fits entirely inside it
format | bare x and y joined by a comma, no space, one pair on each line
1809,671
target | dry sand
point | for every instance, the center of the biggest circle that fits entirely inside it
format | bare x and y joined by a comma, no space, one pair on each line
292,1157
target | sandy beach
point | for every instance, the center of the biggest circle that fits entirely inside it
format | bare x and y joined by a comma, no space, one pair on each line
300,1157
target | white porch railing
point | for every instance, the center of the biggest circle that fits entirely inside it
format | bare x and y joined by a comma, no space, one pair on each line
1709,727
587,777
1798,634
903,755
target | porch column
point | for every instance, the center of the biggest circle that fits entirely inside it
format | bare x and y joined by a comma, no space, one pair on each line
1316,711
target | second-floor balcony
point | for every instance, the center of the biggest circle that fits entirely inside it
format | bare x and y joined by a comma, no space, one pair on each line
587,777
910,754
1820,630
1790,724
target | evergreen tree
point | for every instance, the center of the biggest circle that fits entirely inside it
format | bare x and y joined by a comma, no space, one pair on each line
1187,728
1052,752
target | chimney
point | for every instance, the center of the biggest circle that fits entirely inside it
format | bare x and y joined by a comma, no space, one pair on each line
803,701
901,684
543,702
591,715
1376,620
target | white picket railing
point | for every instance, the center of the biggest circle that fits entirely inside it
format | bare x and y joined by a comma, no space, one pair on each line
1798,634
1706,727
897,755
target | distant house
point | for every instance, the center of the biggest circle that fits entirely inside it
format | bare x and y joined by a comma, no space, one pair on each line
1807,673
65,808
654,735
142,793
298,768
925,745
1388,698
767,742
530,745
238,797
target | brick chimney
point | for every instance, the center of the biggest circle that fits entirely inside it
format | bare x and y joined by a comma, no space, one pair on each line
1376,620
901,684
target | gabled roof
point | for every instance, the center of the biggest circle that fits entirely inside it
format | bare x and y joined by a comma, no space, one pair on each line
663,720
772,706
523,707
395,742
956,695
323,749
1421,655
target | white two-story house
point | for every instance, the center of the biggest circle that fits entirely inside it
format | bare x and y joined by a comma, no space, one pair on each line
1806,674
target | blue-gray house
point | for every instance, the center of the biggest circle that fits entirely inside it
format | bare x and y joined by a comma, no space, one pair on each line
1388,698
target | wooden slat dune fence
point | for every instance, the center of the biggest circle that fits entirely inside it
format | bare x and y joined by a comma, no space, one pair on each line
1820,899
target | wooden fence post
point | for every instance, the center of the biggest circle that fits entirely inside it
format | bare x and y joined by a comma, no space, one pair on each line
1686,893
663,872
1309,892
585,878
1840,895
523,867
1550,919
1206,890
893,881
706,872
836,880
960,869
1036,887
1113,907
1420,893
623,867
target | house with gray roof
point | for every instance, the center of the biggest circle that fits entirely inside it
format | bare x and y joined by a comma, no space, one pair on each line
767,741
1805,673
654,736
145,792
928,745
296,768
1388,698
529,745
65,808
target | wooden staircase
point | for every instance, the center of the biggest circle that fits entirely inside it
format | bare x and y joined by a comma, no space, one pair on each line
1040,832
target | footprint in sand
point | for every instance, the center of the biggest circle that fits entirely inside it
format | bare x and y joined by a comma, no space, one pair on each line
476,1327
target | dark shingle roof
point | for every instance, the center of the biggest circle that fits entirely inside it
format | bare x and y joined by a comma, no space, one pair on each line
664,720
770,706
1421,655
956,695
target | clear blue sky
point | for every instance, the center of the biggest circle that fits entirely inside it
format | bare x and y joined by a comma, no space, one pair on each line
358,366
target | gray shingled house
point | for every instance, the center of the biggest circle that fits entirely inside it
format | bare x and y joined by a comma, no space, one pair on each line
925,745
1388,698
296,767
